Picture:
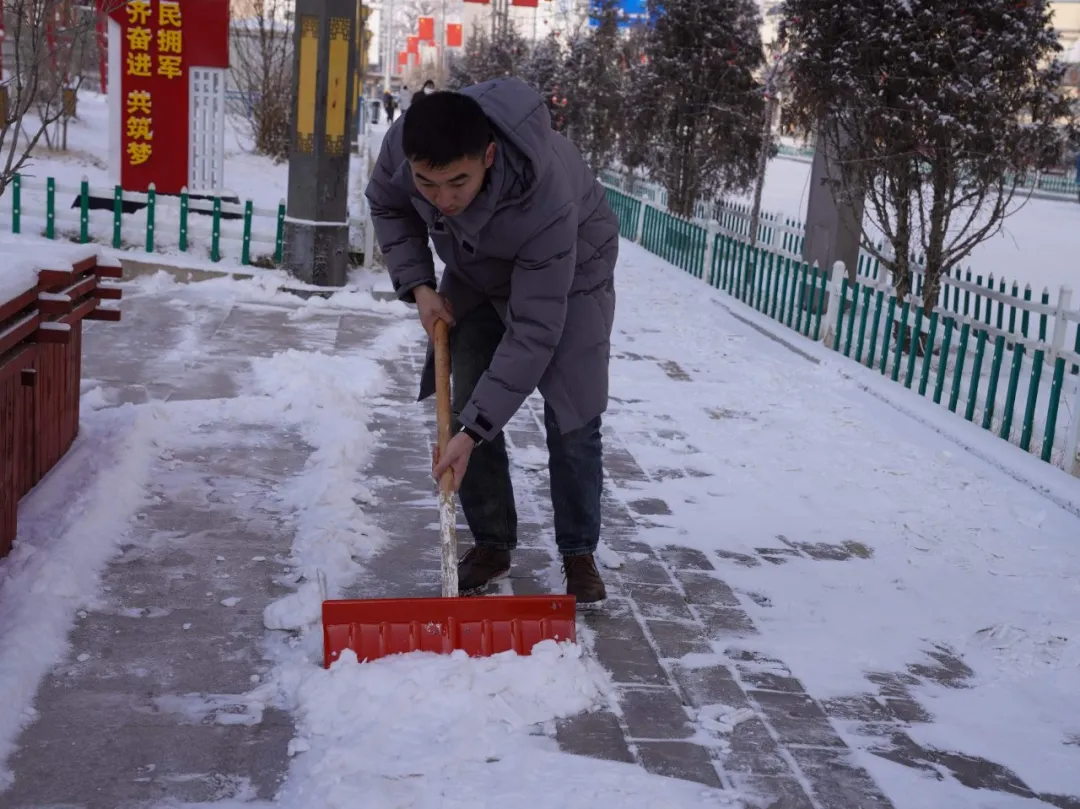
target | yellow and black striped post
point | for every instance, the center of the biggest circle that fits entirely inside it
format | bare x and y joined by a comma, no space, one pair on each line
325,60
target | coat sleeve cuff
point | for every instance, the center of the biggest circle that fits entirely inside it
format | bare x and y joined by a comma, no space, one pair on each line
404,290
472,419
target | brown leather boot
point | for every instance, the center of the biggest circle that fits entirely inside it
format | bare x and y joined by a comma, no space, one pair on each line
583,579
481,567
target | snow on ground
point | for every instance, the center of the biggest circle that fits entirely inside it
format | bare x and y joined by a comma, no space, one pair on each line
429,731
247,176
945,549
422,731
1037,245
71,527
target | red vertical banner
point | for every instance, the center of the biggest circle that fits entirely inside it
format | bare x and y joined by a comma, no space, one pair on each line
154,96
402,58
455,35
525,3
425,29
154,93
412,45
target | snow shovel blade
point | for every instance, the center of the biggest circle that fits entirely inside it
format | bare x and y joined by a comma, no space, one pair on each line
484,626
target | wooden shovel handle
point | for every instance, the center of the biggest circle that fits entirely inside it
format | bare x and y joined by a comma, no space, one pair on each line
443,413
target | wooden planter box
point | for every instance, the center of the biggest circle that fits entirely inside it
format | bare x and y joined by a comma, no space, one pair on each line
40,374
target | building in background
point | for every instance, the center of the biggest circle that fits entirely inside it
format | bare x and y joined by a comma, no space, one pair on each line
534,19
632,12
1067,23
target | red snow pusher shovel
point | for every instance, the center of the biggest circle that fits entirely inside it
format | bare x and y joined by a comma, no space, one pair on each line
488,625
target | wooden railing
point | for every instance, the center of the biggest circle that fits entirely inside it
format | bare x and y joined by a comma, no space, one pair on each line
40,372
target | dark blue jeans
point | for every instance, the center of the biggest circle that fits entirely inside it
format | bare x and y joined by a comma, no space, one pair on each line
575,459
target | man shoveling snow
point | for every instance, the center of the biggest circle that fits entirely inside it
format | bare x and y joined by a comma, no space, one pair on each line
530,245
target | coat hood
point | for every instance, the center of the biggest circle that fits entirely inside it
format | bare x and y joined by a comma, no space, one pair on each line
524,170
523,123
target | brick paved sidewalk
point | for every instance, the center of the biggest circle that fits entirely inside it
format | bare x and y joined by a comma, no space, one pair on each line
666,603
663,605
130,717
161,631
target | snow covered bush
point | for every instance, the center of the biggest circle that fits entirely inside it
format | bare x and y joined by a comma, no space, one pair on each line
929,109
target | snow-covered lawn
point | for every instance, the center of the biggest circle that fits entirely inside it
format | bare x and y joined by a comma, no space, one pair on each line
247,176
1039,244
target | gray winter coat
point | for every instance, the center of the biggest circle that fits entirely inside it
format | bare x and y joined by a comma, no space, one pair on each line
539,241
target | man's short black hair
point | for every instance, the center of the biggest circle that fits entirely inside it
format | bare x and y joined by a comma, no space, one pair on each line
443,127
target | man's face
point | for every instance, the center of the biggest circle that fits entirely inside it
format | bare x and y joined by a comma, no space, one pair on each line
453,187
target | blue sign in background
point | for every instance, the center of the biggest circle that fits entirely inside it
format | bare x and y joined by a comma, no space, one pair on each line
631,11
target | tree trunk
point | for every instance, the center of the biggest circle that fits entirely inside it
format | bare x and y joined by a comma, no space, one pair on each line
935,240
762,167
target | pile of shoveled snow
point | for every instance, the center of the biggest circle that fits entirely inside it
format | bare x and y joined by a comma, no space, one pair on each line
427,731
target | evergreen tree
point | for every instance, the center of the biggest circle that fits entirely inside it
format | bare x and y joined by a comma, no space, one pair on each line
930,108
708,105
463,70
596,91
543,68
639,103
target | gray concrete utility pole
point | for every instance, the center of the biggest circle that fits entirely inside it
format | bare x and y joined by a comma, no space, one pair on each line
316,246
833,229
389,57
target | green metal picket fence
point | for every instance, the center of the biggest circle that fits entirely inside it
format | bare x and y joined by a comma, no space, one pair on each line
992,298
989,352
789,291
221,229
797,152
676,240
987,366
1057,184
215,224
628,211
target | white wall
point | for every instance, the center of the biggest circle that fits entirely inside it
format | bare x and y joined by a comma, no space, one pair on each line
550,15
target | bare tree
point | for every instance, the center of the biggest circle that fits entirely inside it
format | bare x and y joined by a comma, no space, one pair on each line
934,108
51,45
262,67
407,14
